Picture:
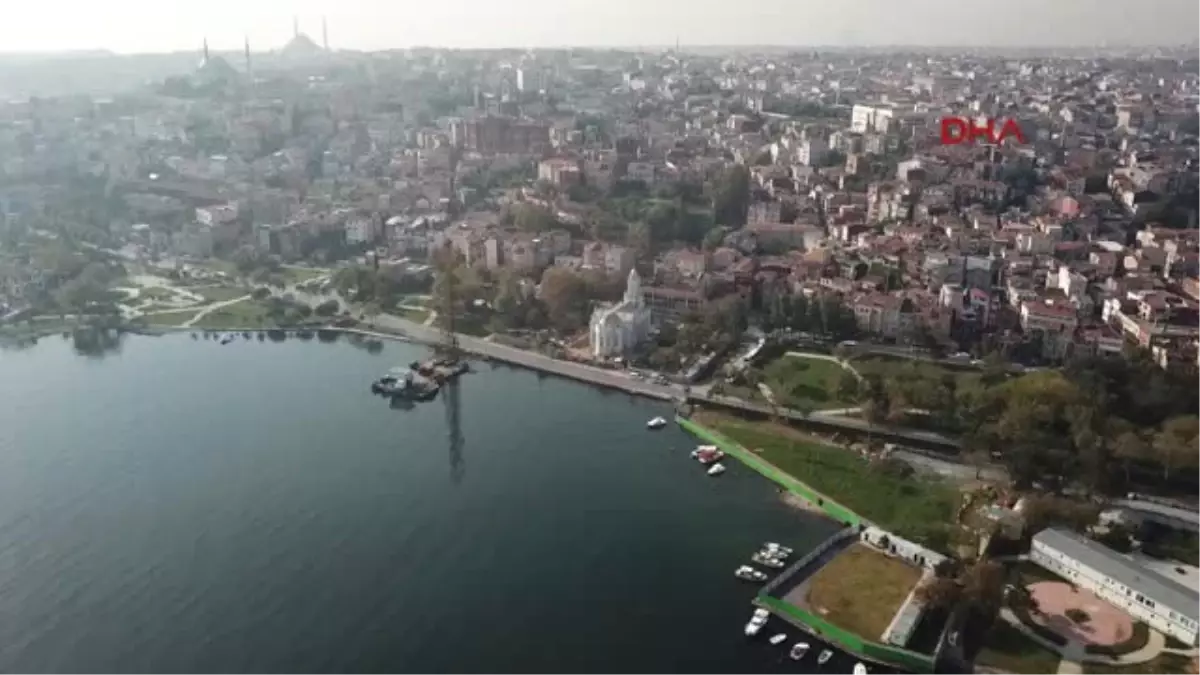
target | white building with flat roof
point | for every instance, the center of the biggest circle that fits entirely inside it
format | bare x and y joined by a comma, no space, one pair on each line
1145,594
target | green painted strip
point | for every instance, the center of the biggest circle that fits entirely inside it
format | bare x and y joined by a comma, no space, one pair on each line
790,483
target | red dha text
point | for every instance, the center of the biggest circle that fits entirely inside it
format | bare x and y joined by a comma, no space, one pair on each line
957,130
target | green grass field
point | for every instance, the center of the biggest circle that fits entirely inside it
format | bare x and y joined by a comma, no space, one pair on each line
245,314
177,318
798,381
219,293
916,506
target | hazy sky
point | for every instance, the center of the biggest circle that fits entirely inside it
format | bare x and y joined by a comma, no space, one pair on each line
166,25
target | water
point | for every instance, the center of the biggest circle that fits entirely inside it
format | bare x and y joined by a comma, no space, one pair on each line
185,506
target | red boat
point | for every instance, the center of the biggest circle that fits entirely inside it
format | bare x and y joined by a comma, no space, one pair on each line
708,456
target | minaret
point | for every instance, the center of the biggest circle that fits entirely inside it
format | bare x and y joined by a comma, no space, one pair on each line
205,52
295,26
324,34
249,72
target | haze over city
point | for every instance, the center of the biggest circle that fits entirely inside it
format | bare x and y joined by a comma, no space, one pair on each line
133,26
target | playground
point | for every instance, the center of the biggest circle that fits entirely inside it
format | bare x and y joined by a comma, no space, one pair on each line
1079,615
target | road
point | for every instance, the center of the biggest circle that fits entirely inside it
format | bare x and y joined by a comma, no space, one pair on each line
614,379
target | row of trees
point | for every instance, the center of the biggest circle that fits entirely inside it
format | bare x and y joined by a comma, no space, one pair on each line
826,314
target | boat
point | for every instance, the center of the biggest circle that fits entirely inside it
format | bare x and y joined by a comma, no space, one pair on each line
656,423
798,651
766,561
748,573
756,622
227,338
706,448
824,657
772,554
860,669
777,638
400,383
716,470
707,456
774,547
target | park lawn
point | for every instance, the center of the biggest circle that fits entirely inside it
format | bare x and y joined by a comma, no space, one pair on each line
219,293
1163,663
244,314
156,293
176,318
299,275
917,507
861,589
895,366
800,381
1009,650
413,314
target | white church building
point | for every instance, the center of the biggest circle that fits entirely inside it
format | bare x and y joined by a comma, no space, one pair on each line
617,329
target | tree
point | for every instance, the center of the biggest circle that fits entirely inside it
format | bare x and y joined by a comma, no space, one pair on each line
731,196
327,308
1129,446
940,593
983,586
532,218
1174,446
714,238
977,458
565,295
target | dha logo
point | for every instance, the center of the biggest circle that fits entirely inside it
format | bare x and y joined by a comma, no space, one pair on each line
956,130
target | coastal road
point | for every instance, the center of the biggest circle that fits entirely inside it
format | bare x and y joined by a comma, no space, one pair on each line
614,379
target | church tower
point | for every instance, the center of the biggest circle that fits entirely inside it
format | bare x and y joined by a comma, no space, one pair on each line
633,289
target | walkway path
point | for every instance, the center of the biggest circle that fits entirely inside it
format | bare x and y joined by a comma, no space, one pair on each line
209,309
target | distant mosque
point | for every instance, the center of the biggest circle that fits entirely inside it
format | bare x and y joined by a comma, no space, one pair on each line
303,47
616,330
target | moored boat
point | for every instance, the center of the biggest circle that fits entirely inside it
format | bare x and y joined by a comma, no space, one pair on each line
708,456
656,423
824,657
860,669
748,573
777,638
716,469
757,621
777,549
798,651
766,561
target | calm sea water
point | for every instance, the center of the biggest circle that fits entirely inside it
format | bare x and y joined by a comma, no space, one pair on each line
184,506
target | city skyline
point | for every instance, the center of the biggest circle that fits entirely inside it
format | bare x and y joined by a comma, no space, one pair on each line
121,25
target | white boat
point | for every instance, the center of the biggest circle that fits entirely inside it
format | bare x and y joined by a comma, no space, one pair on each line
776,549
757,621
777,638
860,669
773,555
798,651
716,469
749,574
706,448
766,561
226,339
656,423
824,657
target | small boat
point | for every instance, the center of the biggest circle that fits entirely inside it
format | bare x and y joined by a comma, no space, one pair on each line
656,423
776,549
824,657
708,456
766,561
798,651
716,470
772,555
860,669
777,638
748,573
226,339
706,448
757,621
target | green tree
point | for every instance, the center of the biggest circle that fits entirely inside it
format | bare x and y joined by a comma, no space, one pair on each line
1174,446
731,196
565,296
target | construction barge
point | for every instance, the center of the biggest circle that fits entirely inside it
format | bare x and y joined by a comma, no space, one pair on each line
421,381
